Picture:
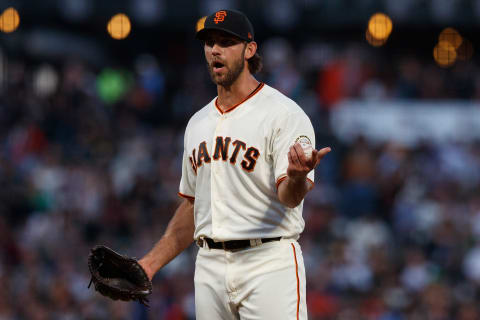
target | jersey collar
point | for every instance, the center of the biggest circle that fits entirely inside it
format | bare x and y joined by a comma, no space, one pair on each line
254,92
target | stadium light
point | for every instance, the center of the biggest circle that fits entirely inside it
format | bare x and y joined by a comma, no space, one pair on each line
380,26
452,47
9,20
119,26
444,54
451,36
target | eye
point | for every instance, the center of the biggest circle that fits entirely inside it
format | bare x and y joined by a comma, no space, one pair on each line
209,42
220,41
227,42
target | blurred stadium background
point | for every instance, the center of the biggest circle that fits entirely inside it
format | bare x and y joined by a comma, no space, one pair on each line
91,132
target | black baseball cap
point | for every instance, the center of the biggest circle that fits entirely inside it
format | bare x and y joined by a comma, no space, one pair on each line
230,21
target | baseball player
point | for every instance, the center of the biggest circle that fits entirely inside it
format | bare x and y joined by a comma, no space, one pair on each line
248,163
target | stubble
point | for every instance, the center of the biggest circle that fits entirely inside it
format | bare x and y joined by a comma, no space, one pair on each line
232,73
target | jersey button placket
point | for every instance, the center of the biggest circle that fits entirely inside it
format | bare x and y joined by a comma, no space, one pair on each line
213,175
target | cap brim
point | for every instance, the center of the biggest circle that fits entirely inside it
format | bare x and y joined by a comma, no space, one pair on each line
202,33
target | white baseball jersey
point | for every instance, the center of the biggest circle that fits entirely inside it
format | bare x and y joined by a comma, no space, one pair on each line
233,162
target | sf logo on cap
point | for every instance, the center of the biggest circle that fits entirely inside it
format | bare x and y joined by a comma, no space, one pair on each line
220,16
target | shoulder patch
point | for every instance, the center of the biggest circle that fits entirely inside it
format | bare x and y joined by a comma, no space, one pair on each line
303,140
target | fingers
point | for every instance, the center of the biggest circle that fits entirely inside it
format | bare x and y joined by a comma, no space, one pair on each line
297,158
302,158
314,160
290,160
300,153
293,155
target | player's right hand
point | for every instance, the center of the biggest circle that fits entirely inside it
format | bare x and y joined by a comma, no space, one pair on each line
298,165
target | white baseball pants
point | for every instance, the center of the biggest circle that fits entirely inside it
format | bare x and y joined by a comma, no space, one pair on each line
266,282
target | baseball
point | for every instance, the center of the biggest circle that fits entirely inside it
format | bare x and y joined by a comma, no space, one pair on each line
307,150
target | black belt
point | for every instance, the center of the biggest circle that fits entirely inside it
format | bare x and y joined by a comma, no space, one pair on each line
233,244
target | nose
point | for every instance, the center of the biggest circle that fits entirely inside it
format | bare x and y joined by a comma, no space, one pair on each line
216,49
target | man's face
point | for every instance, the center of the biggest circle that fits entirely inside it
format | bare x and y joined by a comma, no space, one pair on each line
225,56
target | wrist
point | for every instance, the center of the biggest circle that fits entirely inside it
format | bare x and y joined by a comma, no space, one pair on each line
297,179
146,267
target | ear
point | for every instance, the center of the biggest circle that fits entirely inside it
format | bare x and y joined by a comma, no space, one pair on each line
250,50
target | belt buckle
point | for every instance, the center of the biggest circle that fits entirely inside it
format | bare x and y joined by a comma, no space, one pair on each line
255,242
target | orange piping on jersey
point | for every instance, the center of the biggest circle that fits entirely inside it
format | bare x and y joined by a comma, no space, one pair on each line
260,86
298,280
279,180
185,196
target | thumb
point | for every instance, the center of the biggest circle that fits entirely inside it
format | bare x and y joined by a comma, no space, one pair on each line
322,152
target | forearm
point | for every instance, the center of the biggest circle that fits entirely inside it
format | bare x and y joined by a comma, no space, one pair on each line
291,191
177,237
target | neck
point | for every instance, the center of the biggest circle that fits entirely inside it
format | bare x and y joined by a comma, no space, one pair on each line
237,92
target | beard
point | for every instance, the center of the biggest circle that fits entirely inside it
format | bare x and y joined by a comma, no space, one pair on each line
232,74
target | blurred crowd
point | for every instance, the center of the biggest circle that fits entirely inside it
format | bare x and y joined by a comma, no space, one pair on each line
93,156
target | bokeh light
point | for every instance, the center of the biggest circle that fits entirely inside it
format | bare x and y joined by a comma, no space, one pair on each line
451,36
45,80
200,24
9,20
112,85
374,41
444,54
380,26
119,26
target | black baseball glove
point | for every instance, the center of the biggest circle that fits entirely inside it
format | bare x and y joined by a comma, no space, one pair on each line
118,277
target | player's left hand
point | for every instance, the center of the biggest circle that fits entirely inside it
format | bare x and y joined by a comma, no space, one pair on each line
298,164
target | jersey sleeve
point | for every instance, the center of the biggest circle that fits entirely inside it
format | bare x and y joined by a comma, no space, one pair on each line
189,174
293,127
